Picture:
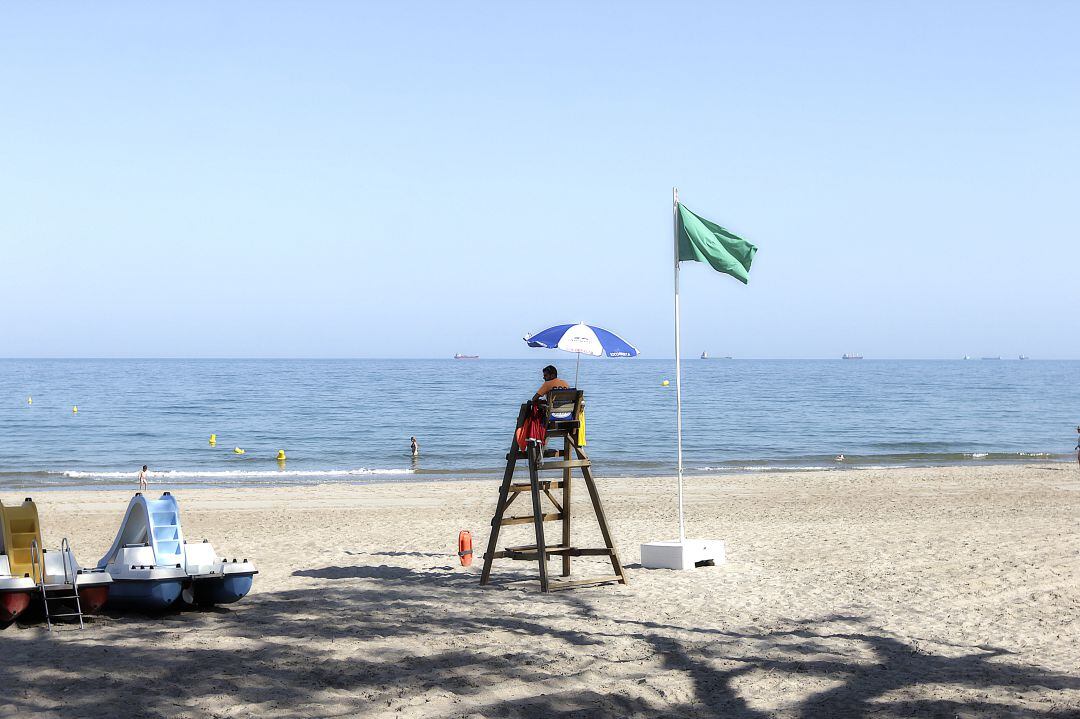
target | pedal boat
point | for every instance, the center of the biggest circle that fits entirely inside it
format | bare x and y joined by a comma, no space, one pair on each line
28,570
154,567
16,591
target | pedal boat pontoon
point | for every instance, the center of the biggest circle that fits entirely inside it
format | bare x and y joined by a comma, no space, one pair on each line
16,590
154,567
31,570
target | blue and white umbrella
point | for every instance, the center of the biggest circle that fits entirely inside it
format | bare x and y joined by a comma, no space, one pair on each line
582,339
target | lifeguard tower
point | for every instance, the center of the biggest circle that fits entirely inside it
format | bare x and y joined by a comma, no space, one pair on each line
561,420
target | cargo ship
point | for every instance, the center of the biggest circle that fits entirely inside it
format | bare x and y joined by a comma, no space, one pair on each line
461,356
851,356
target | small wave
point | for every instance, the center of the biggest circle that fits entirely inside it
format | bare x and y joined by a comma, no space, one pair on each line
766,468
239,474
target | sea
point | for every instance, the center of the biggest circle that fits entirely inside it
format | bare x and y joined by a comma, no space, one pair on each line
352,420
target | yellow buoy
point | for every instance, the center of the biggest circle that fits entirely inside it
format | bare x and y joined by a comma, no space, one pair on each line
213,440
237,450
665,383
75,409
29,400
281,455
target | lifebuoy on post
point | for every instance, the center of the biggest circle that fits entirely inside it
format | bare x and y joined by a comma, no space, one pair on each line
464,547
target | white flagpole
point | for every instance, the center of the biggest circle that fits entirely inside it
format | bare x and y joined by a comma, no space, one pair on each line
678,366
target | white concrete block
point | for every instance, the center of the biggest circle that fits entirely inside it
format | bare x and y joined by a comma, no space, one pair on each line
682,555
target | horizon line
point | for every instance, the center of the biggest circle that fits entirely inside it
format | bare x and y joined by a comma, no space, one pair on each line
448,358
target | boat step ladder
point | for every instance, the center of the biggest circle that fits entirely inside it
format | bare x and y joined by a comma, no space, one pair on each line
66,593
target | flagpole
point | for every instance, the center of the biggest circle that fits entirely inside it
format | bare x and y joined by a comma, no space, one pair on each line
678,365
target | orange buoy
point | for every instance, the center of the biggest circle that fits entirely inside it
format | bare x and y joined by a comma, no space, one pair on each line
464,547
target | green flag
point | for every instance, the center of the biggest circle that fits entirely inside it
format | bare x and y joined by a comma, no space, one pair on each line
704,241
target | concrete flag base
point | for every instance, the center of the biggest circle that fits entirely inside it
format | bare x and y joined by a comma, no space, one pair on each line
688,554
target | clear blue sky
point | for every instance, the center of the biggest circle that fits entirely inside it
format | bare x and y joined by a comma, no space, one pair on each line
317,179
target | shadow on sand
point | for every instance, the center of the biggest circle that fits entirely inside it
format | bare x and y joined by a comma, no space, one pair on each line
344,638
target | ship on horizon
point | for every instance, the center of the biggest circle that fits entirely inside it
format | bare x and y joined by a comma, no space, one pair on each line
849,355
461,356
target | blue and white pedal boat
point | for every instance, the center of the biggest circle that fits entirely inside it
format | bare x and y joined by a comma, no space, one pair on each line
153,567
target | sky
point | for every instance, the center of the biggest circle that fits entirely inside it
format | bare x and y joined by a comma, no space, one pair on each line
340,179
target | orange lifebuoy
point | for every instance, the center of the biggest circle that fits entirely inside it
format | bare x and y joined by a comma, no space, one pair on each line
464,547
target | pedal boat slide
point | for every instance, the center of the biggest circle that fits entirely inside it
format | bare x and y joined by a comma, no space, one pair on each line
153,567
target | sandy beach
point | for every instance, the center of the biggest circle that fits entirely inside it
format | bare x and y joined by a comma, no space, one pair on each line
902,592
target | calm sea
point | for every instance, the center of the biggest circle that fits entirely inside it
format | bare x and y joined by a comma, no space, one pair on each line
350,420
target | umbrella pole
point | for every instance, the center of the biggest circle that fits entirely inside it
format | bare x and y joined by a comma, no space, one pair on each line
577,365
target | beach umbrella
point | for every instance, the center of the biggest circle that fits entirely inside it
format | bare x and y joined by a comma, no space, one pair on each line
582,339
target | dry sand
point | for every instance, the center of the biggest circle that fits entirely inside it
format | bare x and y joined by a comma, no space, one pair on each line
906,592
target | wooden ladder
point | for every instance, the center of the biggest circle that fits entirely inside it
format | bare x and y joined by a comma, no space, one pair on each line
570,457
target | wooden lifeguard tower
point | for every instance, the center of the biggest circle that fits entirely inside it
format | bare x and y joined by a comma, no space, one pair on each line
562,415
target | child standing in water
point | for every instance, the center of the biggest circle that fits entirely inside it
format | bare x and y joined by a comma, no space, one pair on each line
415,447
142,478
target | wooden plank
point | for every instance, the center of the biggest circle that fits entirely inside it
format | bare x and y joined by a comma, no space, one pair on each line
538,514
529,518
560,584
566,507
529,556
544,484
558,507
594,495
532,547
567,464
532,553
500,508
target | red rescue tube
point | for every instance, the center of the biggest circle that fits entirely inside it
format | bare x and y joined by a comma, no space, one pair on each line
464,547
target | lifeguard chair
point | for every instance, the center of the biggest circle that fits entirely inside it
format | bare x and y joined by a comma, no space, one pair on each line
562,415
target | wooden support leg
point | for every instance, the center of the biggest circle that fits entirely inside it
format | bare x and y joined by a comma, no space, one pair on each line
535,457
566,508
586,471
500,509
